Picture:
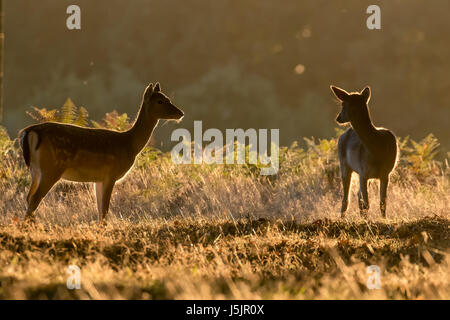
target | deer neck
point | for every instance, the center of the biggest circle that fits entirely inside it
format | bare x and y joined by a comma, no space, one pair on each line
363,126
142,130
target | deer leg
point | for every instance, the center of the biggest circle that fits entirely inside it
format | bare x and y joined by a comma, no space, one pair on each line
363,197
40,186
35,177
103,192
383,192
346,174
360,201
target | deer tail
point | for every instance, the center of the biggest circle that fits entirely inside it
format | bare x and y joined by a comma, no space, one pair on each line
25,144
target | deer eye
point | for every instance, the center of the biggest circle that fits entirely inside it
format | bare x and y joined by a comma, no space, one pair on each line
160,102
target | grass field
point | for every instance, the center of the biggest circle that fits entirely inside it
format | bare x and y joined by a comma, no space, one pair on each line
216,231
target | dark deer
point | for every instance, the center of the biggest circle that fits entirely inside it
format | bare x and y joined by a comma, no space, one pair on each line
56,150
369,151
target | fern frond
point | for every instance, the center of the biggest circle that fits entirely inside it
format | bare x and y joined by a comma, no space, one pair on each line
83,117
43,115
68,112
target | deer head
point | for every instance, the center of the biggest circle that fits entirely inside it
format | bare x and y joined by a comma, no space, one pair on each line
157,104
353,104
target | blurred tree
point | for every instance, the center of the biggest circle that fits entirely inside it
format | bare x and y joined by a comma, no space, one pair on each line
283,58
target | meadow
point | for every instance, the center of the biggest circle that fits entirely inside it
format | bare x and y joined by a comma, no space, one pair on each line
225,232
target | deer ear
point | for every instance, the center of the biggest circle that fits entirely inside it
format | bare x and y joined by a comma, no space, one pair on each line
366,93
149,88
148,91
341,94
157,87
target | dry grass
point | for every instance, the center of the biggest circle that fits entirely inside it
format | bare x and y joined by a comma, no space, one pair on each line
224,232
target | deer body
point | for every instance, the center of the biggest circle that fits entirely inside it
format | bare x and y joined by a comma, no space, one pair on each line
55,150
365,149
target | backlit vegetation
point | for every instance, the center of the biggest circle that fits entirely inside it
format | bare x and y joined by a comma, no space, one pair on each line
215,231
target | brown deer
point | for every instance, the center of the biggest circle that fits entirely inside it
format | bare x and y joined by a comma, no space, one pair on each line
369,151
55,150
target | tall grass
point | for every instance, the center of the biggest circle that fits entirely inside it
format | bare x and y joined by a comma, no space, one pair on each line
221,231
